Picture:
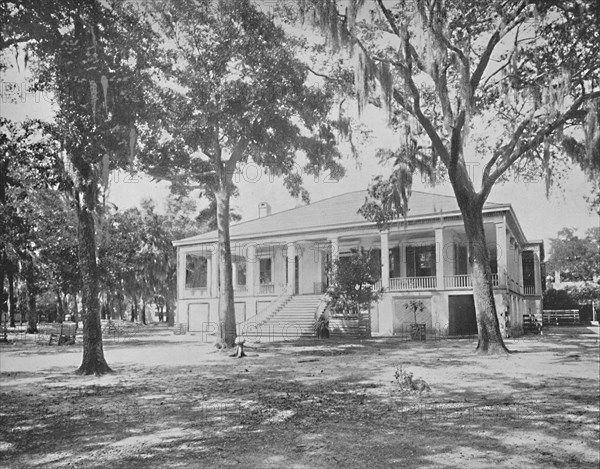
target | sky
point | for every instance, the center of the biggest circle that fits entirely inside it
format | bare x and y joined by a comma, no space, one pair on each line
539,216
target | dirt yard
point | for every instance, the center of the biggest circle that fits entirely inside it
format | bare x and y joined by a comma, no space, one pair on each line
174,401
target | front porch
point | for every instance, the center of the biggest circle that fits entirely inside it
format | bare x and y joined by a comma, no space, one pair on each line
423,260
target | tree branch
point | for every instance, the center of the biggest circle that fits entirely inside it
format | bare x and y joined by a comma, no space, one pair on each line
489,49
322,75
510,158
455,142
236,155
5,44
504,149
388,16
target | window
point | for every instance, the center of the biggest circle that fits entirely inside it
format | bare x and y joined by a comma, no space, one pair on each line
460,259
265,271
395,262
196,271
528,269
493,254
420,261
241,273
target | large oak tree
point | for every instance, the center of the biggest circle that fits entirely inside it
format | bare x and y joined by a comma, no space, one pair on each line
92,58
498,83
233,92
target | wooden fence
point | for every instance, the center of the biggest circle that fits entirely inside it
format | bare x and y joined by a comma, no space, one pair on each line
560,317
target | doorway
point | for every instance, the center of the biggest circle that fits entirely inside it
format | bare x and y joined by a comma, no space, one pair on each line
462,319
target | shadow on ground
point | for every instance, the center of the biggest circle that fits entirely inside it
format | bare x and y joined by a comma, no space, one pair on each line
311,404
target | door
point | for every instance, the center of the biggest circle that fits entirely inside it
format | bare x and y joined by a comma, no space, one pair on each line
198,318
462,319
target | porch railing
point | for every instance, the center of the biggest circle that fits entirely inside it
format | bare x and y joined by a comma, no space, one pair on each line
412,283
495,280
241,289
464,281
529,289
261,316
201,291
266,289
457,281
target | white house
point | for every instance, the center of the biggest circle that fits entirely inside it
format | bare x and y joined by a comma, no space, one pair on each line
280,259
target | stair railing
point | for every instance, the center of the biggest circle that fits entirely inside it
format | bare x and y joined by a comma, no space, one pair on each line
321,306
264,314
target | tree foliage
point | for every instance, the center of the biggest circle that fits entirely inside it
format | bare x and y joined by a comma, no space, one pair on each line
502,84
93,57
36,235
353,280
232,91
577,259
137,260
559,299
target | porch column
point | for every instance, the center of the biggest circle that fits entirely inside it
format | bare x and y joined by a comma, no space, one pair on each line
214,264
501,252
537,273
234,275
439,258
334,247
385,259
520,270
291,268
251,261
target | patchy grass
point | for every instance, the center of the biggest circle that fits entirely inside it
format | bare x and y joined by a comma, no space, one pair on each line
175,402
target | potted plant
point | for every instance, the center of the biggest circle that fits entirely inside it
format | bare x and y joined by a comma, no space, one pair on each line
321,327
417,331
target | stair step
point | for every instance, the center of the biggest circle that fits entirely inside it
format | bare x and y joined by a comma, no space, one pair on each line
291,320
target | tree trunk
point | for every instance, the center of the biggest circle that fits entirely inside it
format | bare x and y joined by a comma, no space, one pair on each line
2,314
60,310
93,352
143,312
75,311
227,323
489,334
170,315
109,308
32,316
122,310
12,299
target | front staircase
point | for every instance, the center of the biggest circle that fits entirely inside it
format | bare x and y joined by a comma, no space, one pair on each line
293,320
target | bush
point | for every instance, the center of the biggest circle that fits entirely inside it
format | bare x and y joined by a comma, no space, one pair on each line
559,299
321,327
353,280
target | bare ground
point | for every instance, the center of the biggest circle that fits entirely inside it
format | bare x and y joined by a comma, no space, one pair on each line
174,401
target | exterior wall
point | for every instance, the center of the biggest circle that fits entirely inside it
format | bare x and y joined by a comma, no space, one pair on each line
510,308
382,313
508,305
310,269
202,314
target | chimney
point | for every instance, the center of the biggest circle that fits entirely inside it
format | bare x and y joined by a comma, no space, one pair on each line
264,210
